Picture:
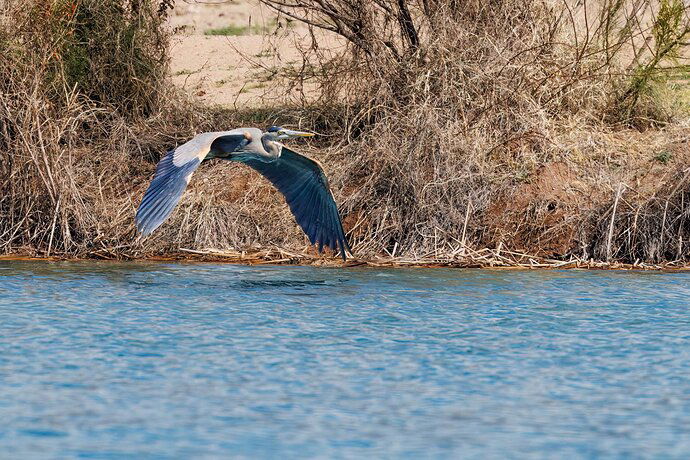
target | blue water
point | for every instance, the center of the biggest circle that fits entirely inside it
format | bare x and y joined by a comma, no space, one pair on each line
144,360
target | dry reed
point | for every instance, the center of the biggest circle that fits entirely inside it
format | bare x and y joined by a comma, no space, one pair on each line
468,133
460,115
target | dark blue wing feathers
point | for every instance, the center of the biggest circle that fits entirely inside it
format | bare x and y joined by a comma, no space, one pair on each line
165,190
323,232
224,145
306,191
314,223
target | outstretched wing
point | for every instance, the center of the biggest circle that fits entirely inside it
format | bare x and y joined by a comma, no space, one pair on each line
164,192
306,191
174,172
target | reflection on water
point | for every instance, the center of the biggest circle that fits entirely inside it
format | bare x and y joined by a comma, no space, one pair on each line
200,360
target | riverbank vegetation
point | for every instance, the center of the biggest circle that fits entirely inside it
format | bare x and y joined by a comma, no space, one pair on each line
556,129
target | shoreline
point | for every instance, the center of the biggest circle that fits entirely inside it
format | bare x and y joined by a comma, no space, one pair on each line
280,257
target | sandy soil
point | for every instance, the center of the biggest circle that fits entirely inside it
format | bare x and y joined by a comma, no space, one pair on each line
234,70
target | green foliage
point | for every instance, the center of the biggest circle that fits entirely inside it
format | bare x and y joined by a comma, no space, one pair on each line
663,157
112,52
118,51
238,30
233,30
655,63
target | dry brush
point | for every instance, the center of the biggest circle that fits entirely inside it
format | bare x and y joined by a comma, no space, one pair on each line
557,128
459,113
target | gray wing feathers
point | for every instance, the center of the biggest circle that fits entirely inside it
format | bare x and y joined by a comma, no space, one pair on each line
305,188
200,146
196,148
175,170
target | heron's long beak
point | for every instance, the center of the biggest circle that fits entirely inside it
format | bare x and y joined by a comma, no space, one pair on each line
291,133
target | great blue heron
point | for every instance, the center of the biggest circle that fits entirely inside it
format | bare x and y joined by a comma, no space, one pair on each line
300,180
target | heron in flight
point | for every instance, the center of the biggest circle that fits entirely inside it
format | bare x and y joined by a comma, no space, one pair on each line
301,180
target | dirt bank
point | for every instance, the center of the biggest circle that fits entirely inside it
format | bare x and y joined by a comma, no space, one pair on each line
461,147
231,54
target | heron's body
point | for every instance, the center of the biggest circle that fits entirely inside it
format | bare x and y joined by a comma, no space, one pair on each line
298,178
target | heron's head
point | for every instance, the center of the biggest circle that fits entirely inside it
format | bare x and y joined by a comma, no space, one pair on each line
280,133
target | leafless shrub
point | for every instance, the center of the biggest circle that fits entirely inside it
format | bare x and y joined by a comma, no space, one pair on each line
652,226
449,105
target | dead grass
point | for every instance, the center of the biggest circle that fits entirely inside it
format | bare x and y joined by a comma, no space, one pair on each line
83,104
517,133
457,114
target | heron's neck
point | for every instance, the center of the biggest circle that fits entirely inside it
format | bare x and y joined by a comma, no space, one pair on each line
272,147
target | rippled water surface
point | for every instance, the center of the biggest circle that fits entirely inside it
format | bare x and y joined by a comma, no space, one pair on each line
144,360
